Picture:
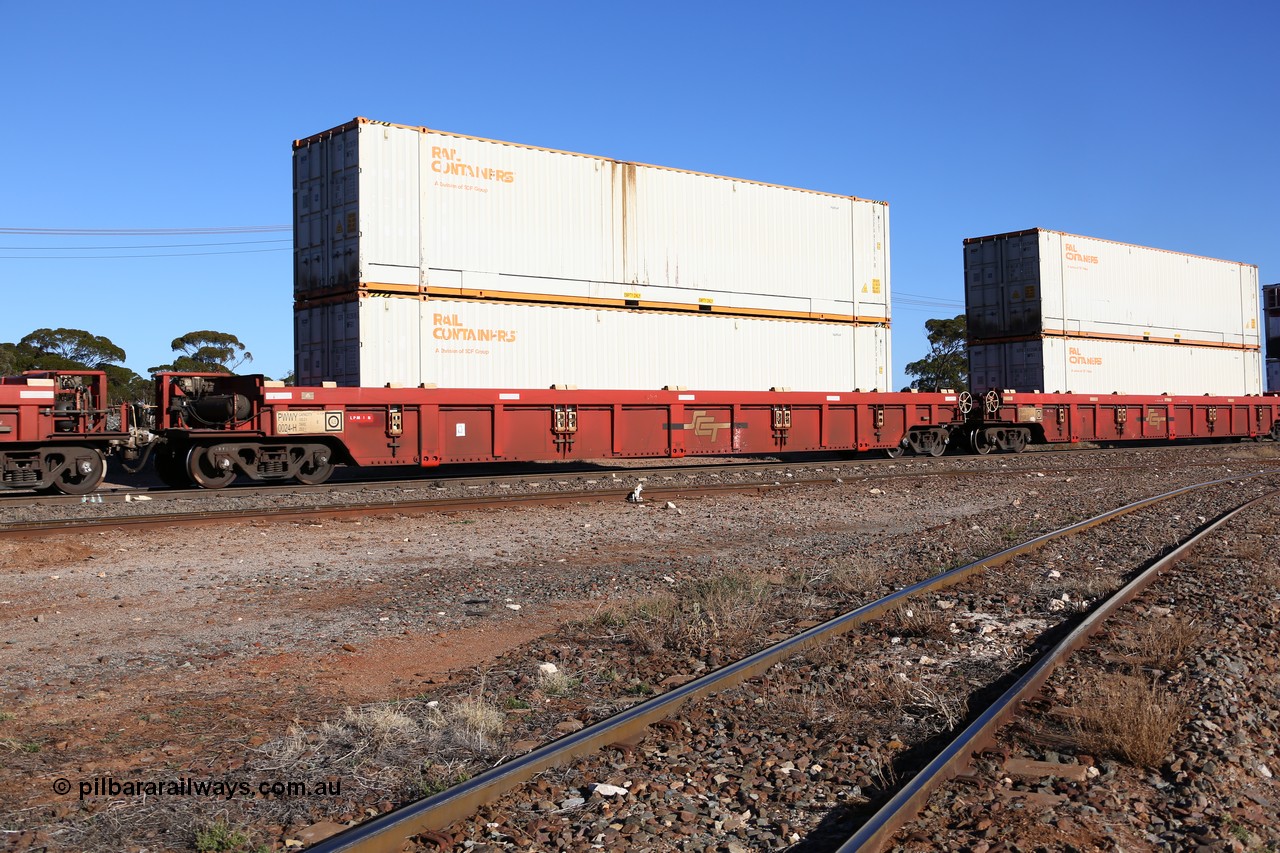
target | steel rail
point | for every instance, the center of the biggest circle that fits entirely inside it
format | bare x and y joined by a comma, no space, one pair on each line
417,505
911,798
442,504
387,832
117,493
861,468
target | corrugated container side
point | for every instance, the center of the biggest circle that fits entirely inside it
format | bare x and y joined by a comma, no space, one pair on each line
721,235
491,209
1099,287
471,344
870,243
1103,367
389,223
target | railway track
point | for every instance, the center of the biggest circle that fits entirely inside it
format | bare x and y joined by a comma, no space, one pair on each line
147,508
468,477
426,819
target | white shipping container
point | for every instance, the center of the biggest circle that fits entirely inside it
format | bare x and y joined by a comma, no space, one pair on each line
1091,366
377,340
1159,321
1037,281
389,208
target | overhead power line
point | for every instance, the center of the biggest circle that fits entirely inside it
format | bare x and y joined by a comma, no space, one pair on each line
903,298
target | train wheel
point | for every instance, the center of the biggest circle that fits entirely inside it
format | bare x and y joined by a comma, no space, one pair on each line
171,468
314,473
937,444
84,474
894,452
203,473
981,442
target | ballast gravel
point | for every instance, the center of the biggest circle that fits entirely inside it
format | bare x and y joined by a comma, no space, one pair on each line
197,653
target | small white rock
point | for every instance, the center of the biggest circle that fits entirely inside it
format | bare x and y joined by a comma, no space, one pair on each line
513,606
548,668
609,790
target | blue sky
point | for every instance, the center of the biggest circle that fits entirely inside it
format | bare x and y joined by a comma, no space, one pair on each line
1148,123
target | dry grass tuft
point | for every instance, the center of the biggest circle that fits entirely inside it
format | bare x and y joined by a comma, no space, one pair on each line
883,686
558,683
729,613
1083,588
474,723
380,745
1130,718
372,730
919,620
853,577
1162,643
